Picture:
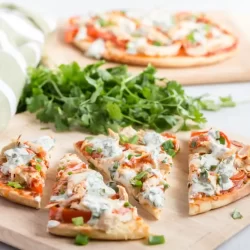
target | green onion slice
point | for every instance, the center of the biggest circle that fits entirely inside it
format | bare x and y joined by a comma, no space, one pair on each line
156,239
78,221
81,239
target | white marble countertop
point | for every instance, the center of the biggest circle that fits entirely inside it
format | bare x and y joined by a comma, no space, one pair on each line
235,119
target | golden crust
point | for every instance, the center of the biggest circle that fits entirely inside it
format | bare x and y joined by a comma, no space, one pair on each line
208,203
120,56
132,230
17,197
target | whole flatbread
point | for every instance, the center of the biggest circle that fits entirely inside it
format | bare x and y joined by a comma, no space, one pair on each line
120,56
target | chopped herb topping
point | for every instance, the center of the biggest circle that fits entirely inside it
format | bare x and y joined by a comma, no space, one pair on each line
213,167
157,43
14,184
168,146
38,167
116,165
130,156
127,204
136,183
222,140
204,173
190,37
166,186
99,150
141,175
81,239
70,173
89,149
236,214
156,239
78,221
104,23
134,139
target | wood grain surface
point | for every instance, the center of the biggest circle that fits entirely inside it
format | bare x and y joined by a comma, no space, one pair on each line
236,69
25,228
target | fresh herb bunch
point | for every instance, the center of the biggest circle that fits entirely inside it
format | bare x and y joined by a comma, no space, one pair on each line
96,99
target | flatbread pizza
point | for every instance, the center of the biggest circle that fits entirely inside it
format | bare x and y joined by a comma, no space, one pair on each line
181,39
139,161
81,203
219,171
23,167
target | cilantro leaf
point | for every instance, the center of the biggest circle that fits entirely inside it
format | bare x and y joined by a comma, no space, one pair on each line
96,99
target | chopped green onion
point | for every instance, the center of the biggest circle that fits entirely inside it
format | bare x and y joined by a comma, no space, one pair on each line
127,204
81,239
116,165
89,150
168,146
14,184
104,23
38,167
157,43
171,152
99,150
156,239
190,37
222,140
137,155
166,186
213,167
136,183
70,173
141,175
236,214
78,221
130,156
123,139
134,139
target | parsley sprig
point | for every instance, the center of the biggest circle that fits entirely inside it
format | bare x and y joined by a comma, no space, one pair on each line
95,99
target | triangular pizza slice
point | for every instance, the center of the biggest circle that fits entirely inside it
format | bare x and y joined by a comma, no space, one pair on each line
218,170
23,167
81,203
136,160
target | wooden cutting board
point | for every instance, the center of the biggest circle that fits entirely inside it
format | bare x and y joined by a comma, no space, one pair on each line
25,228
236,69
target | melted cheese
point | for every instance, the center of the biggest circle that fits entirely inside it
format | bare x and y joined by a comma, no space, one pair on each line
96,49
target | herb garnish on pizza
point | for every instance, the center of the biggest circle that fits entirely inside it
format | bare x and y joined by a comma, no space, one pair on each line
180,39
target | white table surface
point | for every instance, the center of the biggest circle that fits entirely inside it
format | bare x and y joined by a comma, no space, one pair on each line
235,119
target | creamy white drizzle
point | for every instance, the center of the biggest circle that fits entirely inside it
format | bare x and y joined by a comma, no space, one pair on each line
15,157
53,223
108,146
155,196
